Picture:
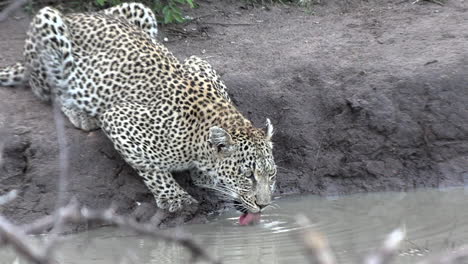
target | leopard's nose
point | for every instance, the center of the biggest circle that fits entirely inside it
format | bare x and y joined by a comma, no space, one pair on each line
261,206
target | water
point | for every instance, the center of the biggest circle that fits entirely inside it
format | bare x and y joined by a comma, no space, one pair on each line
435,220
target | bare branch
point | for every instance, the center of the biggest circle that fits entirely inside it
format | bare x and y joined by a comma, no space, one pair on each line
108,216
431,1
319,250
389,248
456,256
62,180
72,213
14,236
10,196
63,154
316,244
13,6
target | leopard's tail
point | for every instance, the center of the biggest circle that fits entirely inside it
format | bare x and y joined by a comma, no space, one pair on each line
12,75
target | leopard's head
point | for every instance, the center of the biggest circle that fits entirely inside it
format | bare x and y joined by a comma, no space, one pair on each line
245,167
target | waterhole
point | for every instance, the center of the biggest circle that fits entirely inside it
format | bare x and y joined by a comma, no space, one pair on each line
435,220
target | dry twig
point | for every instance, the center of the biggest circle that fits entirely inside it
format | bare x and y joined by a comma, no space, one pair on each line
10,196
389,248
59,220
320,252
15,237
459,255
315,243
431,1
73,213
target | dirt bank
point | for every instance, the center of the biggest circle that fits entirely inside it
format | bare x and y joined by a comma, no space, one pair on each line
364,96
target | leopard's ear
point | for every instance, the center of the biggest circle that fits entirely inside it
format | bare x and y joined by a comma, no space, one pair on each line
269,129
220,141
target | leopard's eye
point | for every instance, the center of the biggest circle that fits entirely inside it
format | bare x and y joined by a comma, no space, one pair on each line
251,176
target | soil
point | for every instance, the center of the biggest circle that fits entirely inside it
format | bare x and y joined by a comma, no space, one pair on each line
364,96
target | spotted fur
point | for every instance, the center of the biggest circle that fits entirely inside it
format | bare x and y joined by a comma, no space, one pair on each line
108,71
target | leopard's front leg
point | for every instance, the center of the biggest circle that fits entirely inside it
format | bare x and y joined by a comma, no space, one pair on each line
167,192
132,137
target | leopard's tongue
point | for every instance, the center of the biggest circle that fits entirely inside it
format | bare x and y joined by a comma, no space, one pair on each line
249,219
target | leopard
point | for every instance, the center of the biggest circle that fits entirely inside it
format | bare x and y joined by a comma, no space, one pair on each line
107,70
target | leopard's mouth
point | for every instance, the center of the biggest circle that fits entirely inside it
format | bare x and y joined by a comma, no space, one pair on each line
247,217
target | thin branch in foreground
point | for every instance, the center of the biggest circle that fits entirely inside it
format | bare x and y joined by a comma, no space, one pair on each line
319,250
431,1
73,213
62,179
19,241
315,243
388,249
459,255
10,196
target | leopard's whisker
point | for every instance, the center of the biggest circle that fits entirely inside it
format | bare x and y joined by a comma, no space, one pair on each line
226,191
275,205
268,207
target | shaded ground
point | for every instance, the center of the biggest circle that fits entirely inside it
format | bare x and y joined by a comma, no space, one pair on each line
364,96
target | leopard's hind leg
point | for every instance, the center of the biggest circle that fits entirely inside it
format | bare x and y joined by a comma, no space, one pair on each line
136,14
49,57
79,118
201,68
48,54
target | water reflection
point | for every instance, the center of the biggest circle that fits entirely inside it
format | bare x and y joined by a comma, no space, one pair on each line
435,220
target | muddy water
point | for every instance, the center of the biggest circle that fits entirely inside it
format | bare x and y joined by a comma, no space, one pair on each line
435,220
